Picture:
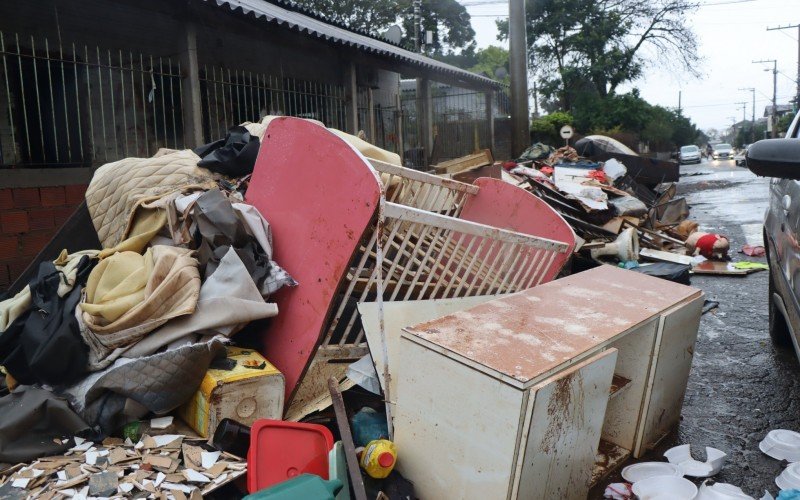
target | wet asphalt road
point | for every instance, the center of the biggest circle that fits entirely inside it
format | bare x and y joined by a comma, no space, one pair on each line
740,386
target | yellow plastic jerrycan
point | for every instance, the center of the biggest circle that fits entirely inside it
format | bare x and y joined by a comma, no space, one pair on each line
378,458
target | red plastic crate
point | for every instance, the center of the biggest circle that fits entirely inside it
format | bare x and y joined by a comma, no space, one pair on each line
282,450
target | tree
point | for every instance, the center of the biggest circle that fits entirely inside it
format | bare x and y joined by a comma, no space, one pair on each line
489,61
579,46
546,129
447,19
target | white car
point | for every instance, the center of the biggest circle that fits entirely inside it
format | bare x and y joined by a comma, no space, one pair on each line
723,152
689,154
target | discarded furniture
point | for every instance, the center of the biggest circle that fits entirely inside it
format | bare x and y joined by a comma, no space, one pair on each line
541,393
351,230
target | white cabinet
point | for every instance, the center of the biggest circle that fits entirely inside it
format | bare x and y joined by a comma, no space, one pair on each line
540,393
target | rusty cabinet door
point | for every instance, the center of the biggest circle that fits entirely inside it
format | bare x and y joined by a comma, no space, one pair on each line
563,424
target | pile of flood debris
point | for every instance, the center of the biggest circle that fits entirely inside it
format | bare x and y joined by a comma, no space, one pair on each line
624,208
288,312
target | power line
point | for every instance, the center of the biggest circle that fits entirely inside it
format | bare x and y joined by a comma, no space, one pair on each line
730,103
728,2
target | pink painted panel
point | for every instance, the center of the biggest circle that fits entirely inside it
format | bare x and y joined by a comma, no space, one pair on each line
319,197
506,206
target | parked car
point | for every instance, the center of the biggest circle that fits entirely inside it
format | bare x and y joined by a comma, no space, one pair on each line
740,156
689,154
722,151
780,159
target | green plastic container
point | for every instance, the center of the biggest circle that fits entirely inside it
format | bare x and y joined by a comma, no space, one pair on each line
305,486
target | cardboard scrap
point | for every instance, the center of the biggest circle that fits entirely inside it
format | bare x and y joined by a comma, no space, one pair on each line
166,466
192,457
161,463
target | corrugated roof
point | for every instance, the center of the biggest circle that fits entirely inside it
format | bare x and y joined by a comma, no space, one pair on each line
282,16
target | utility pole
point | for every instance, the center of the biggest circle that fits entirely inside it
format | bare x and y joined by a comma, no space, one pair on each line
417,5
679,101
733,129
742,105
518,63
774,114
790,26
753,121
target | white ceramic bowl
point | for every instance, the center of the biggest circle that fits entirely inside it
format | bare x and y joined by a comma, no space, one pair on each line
665,488
789,479
643,470
782,444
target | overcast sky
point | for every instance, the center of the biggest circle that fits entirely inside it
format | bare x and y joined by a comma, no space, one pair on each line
731,36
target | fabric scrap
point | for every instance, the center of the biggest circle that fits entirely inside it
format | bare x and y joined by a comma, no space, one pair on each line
228,301
44,345
130,388
145,226
171,289
117,189
218,228
32,419
233,156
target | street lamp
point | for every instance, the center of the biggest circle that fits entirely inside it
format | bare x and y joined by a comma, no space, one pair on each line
774,115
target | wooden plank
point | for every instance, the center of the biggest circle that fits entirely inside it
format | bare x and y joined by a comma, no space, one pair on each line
663,256
356,481
465,163
494,171
720,268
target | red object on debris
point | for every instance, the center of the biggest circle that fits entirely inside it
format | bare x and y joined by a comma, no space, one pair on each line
706,244
547,170
754,250
542,221
282,450
598,175
508,165
349,191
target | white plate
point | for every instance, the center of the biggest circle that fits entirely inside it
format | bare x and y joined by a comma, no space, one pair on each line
644,470
665,488
781,444
789,479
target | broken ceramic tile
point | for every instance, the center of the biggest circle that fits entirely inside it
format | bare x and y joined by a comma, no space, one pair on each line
682,457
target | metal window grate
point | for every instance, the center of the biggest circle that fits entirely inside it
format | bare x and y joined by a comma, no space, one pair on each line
231,96
75,105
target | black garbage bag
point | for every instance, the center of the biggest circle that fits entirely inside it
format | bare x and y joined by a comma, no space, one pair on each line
234,156
32,419
679,273
44,345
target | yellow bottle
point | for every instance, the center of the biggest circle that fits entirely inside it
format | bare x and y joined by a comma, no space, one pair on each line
378,458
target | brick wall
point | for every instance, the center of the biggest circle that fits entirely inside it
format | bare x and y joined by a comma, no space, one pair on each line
29,217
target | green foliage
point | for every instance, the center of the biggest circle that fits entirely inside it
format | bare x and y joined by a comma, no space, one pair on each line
546,129
489,61
784,122
630,116
449,20
580,46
